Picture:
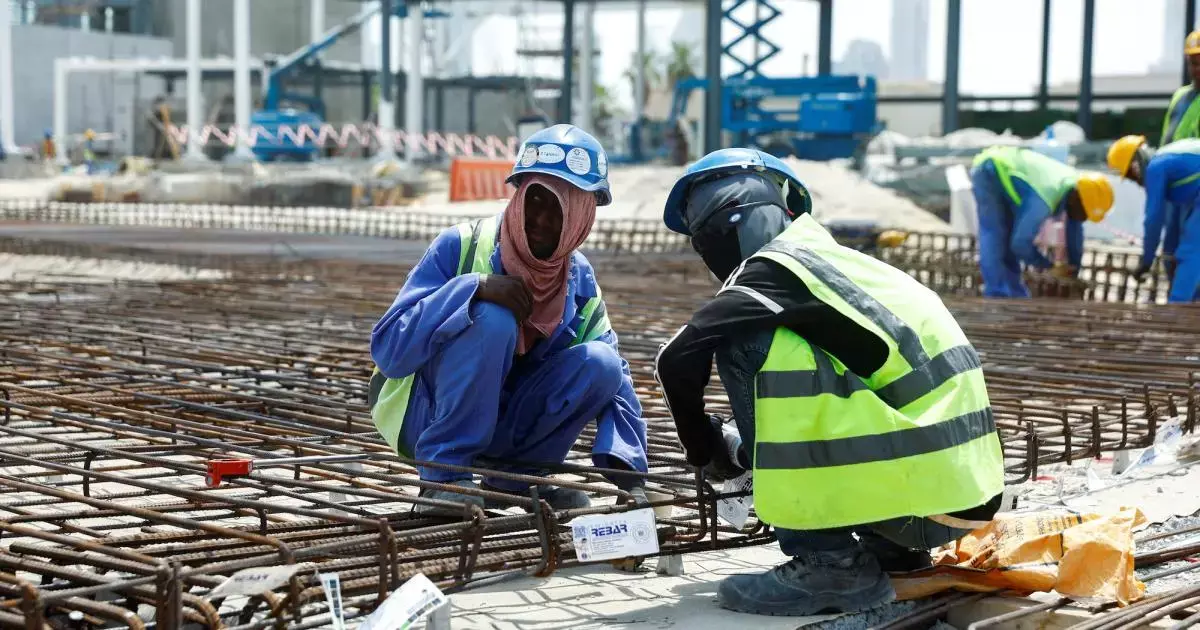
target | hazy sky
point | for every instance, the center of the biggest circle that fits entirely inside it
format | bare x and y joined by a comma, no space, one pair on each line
1001,39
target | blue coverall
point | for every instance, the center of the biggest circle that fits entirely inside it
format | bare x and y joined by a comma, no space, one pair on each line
472,397
1007,231
1172,181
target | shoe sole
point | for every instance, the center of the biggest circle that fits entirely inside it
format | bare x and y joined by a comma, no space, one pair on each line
878,595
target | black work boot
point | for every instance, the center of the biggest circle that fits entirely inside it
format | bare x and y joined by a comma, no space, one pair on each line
815,582
892,557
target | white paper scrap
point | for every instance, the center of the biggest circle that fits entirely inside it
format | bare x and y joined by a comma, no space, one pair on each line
255,580
410,603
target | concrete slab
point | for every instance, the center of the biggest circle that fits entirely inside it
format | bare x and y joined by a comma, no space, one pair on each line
598,596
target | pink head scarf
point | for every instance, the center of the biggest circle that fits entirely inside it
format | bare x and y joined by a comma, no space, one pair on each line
546,279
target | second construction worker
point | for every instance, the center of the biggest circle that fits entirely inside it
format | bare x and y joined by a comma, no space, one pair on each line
1170,176
861,399
1017,192
499,345
1182,119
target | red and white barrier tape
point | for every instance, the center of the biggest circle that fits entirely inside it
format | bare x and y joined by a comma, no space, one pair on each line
354,135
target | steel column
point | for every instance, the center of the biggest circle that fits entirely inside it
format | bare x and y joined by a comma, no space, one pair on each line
242,102
414,91
639,86
387,109
950,91
587,79
1189,23
7,116
568,36
195,96
1044,77
712,75
825,38
1084,115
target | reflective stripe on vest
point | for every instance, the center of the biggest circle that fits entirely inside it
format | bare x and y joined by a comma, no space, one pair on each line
835,448
1050,179
388,397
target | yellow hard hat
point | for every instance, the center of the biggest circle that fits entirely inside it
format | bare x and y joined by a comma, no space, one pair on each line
1191,45
1120,154
1096,193
89,134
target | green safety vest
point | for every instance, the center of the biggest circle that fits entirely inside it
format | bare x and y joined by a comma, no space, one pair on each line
388,397
1189,122
915,438
1050,179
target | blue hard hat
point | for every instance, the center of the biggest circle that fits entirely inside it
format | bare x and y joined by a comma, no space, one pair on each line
48,133
567,152
732,160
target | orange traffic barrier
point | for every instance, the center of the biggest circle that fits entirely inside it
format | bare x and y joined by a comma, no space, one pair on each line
473,179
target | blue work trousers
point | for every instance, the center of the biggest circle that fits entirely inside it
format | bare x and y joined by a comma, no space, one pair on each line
999,265
1186,282
472,400
738,363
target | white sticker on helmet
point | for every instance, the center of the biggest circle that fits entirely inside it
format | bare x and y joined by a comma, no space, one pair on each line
602,164
579,161
550,154
529,156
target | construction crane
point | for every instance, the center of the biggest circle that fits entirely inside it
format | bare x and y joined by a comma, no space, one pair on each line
275,113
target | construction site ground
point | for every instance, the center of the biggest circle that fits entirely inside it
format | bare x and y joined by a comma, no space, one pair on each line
82,296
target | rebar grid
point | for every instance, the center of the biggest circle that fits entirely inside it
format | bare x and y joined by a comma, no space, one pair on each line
114,395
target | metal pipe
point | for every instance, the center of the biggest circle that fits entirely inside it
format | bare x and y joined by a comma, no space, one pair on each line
241,78
712,75
568,47
950,85
386,110
195,98
587,82
825,38
1189,23
414,91
639,86
1084,115
60,111
8,117
1044,74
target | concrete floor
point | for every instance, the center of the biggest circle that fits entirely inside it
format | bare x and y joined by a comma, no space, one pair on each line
598,596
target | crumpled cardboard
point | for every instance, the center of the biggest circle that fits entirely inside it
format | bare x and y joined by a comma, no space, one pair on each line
1085,557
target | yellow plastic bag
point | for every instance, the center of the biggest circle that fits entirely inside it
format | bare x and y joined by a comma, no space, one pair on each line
1081,556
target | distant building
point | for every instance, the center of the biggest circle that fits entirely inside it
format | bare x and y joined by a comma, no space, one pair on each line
909,60
864,58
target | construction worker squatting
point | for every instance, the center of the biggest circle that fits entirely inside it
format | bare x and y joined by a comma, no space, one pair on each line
857,392
499,346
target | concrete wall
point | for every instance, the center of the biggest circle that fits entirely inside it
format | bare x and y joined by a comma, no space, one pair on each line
100,101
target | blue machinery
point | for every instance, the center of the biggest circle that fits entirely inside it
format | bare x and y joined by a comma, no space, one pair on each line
274,113
816,118
813,118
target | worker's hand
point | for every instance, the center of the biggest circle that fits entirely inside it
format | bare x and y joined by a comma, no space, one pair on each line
507,291
1142,268
725,445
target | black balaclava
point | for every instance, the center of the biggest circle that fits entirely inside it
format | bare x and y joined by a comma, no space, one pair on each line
732,217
